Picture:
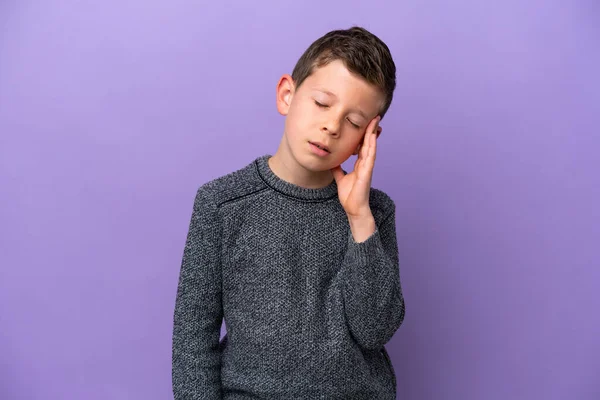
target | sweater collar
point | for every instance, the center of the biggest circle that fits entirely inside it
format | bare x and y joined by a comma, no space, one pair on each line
290,189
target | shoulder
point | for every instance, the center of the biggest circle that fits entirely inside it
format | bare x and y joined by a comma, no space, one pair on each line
228,187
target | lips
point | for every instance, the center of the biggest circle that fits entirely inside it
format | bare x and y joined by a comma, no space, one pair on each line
321,146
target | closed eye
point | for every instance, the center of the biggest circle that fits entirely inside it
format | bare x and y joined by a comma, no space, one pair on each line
325,106
353,124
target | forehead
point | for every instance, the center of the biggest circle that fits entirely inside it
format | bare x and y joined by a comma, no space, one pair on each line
334,79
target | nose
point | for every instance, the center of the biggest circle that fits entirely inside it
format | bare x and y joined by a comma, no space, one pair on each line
331,126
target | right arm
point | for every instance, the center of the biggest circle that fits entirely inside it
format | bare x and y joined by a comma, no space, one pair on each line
196,368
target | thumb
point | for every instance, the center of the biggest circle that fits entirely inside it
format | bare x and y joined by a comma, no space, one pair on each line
338,173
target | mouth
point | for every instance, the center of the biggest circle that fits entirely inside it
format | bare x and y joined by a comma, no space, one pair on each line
321,146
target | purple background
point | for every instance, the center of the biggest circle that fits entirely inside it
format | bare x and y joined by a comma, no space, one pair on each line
112,113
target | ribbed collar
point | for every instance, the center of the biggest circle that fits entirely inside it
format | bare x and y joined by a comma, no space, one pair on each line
290,189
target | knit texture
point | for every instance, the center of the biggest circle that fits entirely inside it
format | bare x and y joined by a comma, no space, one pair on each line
308,310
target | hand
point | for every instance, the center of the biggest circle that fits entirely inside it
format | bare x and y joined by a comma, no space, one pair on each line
354,188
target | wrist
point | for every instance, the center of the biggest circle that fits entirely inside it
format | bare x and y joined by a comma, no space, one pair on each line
362,227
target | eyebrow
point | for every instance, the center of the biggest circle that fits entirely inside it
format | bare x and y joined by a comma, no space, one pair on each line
358,111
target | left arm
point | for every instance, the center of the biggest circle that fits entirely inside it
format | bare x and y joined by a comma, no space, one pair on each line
373,300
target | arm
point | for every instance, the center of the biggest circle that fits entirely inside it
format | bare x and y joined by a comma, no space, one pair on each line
373,300
196,368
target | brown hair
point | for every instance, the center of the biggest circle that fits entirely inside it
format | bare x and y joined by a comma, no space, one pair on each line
362,52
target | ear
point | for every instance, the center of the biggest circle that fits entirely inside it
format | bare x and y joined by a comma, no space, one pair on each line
285,92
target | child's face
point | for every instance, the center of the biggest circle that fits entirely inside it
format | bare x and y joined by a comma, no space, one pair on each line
346,106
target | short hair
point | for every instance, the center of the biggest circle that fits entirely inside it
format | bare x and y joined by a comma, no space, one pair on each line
362,53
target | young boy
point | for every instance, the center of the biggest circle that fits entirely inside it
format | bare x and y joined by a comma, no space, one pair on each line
299,257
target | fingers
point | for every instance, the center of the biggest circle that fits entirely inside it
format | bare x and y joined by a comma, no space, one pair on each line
364,147
372,127
371,135
374,124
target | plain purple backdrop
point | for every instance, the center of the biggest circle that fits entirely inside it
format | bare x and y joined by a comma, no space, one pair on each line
112,113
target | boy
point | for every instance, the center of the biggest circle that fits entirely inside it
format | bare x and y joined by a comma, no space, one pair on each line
299,257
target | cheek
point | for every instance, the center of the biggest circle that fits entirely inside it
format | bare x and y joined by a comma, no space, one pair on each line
297,125
304,117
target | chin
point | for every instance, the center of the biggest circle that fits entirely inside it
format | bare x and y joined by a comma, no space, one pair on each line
313,163
325,165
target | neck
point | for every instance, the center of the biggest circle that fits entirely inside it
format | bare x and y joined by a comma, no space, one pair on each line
285,166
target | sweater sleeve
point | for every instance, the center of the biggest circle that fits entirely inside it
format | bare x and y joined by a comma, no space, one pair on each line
373,300
196,367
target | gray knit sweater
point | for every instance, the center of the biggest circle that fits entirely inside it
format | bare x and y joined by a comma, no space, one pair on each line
307,309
